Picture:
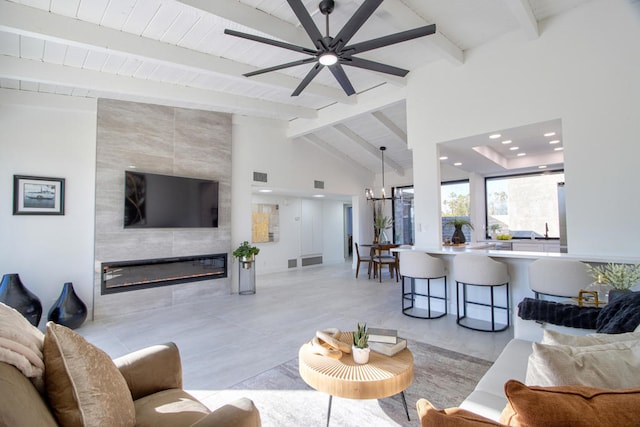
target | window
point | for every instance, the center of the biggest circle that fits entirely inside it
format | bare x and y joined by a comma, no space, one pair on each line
455,203
524,205
403,229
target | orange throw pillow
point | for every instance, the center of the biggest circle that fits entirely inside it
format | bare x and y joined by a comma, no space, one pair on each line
432,417
573,406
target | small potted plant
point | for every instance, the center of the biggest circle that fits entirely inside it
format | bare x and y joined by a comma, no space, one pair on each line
246,254
360,347
493,230
611,278
458,235
380,223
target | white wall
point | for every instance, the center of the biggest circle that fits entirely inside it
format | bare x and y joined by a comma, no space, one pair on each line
294,241
585,77
261,145
41,140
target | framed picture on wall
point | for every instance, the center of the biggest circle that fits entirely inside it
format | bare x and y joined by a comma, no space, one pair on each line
33,195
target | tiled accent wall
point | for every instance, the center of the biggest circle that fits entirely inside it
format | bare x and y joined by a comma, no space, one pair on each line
169,141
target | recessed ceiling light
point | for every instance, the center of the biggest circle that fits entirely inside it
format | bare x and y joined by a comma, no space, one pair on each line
558,149
457,164
495,136
443,158
522,154
514,148
507,141
549,134
555,141
264,190
318,195
542,167
132,166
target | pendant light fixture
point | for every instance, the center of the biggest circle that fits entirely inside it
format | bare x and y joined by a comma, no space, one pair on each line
368,192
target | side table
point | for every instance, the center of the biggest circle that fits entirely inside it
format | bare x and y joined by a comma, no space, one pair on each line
383,376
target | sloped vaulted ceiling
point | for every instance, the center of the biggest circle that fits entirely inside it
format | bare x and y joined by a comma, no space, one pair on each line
176,53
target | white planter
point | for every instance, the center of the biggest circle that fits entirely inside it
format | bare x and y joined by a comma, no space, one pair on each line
360,355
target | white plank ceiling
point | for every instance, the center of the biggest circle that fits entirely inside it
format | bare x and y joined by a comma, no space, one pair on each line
176,53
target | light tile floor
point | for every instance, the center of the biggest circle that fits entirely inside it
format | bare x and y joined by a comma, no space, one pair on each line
224,340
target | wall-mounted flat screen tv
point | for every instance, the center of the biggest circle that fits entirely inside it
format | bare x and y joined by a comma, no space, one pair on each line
163,201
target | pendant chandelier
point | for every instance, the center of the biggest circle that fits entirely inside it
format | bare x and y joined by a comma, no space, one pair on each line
368,192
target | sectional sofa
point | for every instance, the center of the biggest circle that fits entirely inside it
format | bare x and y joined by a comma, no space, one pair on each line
579,379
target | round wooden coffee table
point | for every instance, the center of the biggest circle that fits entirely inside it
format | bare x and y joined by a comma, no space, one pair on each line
383,376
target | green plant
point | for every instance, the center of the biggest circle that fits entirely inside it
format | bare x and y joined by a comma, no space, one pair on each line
380,221
494,227
361,337
620,276
383,222
459,222
245,250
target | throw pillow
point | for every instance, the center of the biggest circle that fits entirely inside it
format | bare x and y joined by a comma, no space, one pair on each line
432,417
556,338
613,365
574,406
83,385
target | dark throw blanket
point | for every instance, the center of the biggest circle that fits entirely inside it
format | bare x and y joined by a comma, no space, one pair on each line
556,313
621,314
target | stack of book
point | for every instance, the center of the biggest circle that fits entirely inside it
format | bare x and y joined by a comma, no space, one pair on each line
386,341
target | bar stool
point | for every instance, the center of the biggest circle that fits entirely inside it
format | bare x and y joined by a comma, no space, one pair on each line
419,265
480,271
563,278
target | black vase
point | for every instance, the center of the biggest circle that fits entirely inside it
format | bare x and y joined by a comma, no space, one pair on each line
458,235
14,294
68,310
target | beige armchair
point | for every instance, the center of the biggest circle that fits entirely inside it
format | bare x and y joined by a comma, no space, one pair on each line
83,386
154,377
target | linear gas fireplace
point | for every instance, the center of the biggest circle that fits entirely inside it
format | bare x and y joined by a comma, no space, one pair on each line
121,276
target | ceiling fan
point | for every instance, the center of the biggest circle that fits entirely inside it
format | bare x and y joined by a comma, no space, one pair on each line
334,52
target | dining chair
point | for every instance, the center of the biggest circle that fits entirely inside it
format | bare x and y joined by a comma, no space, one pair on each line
381,257
362,259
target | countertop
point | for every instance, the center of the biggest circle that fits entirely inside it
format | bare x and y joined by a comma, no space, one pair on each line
485,249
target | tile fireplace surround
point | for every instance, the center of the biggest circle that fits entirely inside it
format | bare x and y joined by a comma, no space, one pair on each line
169,141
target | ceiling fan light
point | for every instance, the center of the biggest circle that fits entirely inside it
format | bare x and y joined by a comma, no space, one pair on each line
328,58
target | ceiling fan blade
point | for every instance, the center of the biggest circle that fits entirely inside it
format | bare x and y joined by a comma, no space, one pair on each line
270,42
307,79
354,23
374,66
280,67
341,77
306,21
390,39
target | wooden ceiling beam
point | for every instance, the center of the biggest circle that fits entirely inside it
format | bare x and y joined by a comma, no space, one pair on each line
27,21
374,151
161,93
521,9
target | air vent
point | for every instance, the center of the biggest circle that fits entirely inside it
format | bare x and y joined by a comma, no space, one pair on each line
311,261
293,263
260,177
318,184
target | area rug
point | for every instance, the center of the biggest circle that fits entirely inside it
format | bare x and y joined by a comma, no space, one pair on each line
442,376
